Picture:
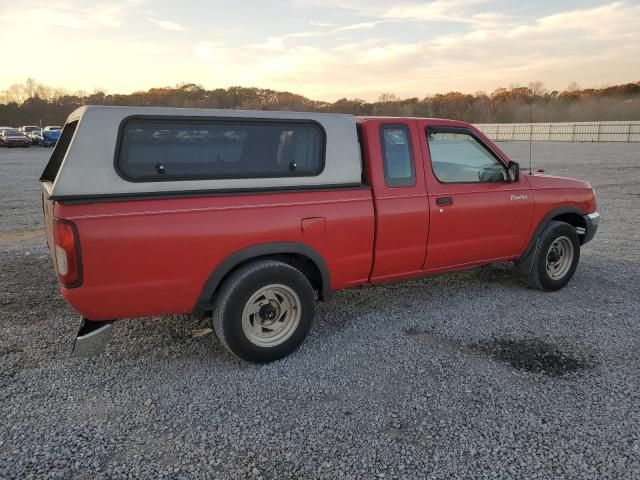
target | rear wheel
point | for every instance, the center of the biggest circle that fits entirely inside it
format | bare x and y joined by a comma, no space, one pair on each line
556,257
264,311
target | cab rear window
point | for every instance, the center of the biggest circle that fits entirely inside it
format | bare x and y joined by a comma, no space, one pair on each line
153,149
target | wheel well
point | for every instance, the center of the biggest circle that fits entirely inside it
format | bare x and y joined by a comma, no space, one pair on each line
575,220
300,256
301,262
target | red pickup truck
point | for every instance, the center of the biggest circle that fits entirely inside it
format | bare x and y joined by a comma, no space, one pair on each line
248,218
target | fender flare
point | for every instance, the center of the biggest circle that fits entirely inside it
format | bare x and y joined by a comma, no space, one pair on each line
256,251
526,257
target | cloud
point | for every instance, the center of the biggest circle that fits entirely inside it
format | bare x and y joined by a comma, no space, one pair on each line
68,15
494,50
275,44
167,25
577,32
357,26
389,52
210,51
431,11
331,31
321,24
409,48
439,10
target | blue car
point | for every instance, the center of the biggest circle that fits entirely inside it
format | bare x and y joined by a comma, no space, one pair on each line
50,136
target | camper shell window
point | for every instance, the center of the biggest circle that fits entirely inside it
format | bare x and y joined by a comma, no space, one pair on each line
157,149
55,161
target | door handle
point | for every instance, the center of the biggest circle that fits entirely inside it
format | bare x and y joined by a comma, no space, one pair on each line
444,201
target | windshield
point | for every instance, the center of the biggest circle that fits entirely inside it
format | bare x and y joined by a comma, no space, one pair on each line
12,132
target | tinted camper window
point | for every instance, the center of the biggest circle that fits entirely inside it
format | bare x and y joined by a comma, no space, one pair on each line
60,150
152,149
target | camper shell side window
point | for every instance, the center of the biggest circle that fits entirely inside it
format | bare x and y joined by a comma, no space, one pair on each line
164,149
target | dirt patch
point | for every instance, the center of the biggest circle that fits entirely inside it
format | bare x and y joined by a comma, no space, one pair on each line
18,236
530,355
533,355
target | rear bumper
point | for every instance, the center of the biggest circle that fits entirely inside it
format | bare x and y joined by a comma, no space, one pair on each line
591,221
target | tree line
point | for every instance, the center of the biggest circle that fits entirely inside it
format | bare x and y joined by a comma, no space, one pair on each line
35,103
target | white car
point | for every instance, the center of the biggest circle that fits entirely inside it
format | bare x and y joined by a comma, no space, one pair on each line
27,129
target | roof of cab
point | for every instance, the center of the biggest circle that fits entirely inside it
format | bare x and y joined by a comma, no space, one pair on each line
88,167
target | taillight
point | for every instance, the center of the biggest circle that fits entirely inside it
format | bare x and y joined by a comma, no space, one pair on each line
67,253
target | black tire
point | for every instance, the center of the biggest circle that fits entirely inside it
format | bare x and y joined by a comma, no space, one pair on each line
239,288
539,275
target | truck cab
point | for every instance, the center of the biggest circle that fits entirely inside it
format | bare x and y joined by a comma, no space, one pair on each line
447,198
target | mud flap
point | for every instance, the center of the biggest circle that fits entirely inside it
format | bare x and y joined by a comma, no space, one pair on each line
524,265
92,338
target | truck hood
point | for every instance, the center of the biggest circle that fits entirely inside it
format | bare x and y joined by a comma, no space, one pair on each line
549,181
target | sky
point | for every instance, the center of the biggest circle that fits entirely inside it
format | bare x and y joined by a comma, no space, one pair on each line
323,49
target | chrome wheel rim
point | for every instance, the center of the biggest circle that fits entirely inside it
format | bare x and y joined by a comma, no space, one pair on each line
271,315
559,258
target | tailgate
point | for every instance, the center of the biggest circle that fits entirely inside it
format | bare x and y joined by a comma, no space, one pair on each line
47,210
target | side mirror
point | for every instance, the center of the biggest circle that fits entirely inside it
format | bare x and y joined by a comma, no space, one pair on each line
514,171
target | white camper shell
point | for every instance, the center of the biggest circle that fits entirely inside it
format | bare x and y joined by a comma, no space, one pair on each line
141,151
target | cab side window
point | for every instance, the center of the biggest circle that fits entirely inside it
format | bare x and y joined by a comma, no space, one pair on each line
457,157
397,156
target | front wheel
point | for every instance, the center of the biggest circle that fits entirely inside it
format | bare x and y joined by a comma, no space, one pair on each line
556,257
264,311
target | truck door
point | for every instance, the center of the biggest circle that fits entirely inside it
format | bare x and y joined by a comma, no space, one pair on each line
395,169
478,214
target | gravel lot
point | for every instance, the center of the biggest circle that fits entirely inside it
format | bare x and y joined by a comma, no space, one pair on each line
464,375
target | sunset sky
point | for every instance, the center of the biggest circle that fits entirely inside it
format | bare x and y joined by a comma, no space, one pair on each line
324,49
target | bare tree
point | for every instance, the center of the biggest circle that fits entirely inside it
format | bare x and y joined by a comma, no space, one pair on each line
388,97
573,87
537,88
31,88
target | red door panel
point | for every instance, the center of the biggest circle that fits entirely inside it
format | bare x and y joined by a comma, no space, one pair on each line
471,223
479,225
402,213
401,226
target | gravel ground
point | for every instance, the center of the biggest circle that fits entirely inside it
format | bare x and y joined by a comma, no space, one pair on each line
463,375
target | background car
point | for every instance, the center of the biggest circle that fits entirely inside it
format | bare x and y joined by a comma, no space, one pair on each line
26,129
50,136
13,138
35,136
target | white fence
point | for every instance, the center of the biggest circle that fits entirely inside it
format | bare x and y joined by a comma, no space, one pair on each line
564,132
